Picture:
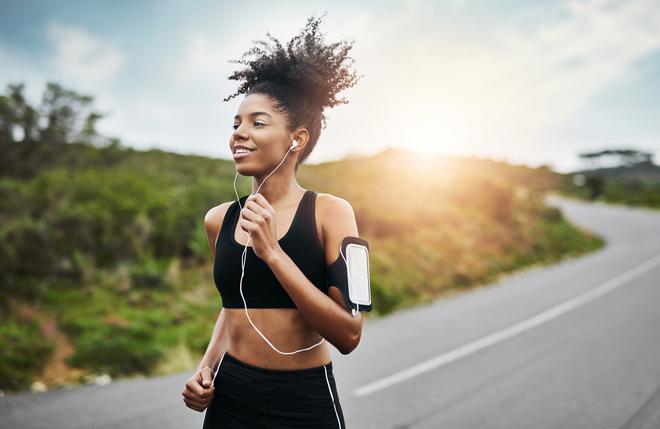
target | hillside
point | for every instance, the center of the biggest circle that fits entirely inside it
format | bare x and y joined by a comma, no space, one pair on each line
633,185
646,172
106,268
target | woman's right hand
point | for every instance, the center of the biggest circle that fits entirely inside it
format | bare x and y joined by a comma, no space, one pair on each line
199,389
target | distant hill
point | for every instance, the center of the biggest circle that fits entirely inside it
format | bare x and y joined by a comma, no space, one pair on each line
645,172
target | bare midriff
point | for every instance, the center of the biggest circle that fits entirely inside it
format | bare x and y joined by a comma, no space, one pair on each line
285,328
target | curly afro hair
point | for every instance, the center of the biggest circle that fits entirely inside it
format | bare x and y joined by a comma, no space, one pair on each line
302,79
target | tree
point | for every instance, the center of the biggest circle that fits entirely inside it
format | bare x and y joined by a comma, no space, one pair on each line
624,157
64,116
17,116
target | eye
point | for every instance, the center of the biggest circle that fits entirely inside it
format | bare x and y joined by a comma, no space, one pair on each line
256,123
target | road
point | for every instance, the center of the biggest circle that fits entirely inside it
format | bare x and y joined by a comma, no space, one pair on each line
572,345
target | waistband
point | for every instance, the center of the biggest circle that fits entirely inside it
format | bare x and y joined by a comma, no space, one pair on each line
279,373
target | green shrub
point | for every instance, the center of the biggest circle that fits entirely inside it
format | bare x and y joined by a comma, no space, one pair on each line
116,350
147,272
23,351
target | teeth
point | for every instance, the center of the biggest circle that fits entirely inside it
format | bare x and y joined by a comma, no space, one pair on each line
242,151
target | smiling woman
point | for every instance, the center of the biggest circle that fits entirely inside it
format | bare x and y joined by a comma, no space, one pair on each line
301,81
273,364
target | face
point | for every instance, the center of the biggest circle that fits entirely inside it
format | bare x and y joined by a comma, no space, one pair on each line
262,129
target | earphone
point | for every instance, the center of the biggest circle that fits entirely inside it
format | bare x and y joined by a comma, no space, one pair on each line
294,144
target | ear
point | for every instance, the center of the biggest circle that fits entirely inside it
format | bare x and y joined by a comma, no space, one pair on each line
301,135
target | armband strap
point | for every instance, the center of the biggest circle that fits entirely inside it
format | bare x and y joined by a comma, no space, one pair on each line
353,259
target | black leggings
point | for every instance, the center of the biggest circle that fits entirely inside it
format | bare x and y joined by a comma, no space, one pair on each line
248,396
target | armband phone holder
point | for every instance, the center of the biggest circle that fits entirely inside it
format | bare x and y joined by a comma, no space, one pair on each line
350,273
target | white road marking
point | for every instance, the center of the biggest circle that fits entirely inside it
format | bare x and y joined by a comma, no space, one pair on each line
509,332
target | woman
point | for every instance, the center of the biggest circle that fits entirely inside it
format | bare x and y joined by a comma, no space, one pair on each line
274,369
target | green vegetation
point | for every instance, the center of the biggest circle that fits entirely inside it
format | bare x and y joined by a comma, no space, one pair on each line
630,192
111,240
22,351
634,180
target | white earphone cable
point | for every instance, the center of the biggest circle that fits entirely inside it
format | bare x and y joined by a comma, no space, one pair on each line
243,260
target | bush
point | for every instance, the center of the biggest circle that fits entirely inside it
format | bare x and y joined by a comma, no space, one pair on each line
150,273
116,350
23,351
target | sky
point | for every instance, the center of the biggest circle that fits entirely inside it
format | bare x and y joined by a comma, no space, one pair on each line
526,82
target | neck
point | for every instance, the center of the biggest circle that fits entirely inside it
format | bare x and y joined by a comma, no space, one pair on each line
278,189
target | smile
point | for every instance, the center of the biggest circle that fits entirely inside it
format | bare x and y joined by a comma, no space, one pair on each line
241,153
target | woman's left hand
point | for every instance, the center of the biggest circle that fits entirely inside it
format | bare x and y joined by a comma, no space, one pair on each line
258,218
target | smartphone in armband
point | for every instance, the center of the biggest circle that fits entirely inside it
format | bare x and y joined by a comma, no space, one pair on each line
350,273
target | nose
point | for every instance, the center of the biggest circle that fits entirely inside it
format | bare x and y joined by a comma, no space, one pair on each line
238,134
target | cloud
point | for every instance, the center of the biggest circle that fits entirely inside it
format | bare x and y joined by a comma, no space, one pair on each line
203,65
498,91
454,78
82,58
203,59
559,67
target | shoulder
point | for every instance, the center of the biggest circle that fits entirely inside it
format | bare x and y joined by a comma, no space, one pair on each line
337,218
213,220
330,206
216,214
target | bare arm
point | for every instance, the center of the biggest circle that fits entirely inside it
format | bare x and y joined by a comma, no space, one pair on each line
218,344
219,339
327,314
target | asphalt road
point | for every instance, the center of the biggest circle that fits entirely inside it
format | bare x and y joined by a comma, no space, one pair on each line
574,345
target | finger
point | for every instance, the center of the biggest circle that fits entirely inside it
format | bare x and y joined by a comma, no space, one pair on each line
207,376
206,392
196,390
248,226
252,215
260,212
192,398
193,401
187,397
252,200
264,212
198,402
254,206
196,398
195,407
262,201
204,401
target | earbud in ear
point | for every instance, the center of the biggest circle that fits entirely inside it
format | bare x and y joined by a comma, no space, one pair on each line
294,144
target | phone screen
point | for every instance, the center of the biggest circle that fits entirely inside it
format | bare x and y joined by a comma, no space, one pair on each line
358,274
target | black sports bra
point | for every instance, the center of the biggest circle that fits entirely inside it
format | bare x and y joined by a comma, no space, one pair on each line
261,288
